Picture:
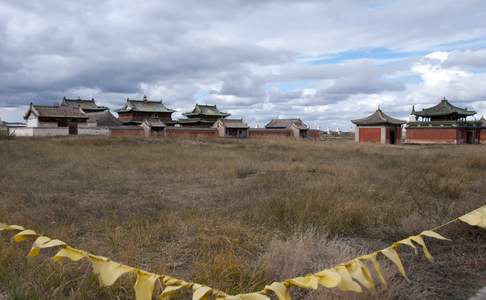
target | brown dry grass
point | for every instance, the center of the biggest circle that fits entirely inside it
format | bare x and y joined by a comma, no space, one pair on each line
238,214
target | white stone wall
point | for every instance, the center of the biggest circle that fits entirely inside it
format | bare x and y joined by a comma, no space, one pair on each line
51,131
22,131
41,131
383,135
32,121
88,124
94,131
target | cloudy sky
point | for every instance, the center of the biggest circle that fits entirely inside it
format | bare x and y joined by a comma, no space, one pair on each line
324,61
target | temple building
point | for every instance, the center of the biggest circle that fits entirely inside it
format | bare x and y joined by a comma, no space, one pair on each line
202,116
378,128
55,116
134,112
298,128
443,123
86,106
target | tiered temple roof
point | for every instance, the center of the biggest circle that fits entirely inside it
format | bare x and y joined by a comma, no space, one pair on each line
206,110
145,106
85,105
203,115
378,118
443,109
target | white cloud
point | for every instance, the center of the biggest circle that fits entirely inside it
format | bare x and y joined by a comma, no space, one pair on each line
12,114
255,58
438,55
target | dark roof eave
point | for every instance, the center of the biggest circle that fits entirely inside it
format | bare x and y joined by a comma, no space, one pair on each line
194,121
377,124
426,114
144,111
190,114
64,117
444,108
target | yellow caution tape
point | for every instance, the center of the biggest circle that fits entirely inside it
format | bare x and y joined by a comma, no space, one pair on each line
353,275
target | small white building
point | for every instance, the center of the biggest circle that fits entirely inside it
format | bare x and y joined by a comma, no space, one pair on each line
44,120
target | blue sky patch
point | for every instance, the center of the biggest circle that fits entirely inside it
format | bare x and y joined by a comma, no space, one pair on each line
371,53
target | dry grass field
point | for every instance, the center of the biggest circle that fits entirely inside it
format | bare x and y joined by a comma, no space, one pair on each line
238,214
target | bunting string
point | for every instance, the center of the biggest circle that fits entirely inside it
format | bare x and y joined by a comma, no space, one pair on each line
352,276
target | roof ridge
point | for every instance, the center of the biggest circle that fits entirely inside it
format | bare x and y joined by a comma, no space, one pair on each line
211,105
378,117
145,101
78,99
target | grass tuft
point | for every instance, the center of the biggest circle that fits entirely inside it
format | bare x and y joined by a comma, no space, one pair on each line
237,214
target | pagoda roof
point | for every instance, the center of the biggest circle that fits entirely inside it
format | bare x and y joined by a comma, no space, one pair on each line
89,105
378,118
286,123
206,110
144,106
46,111
444,108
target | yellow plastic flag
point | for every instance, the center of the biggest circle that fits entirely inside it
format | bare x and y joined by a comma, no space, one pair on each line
419,240
201,292
69,252
108,271
476,217
171,286
328,278
251,296
376,265
279,290
23,235
38,243
10,227
392,255
308,282
144,286
169,290
167,280
408,242
433,234
360,272
347,283
52,243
